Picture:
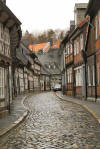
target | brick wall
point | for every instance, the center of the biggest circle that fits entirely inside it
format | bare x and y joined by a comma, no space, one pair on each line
78,91
69,59
69,93
78,58
91,91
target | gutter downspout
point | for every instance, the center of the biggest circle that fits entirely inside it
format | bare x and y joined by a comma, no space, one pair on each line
87,57
9,92
95,73
85,82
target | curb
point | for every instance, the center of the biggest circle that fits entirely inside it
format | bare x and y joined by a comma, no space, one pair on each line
17,122
94,114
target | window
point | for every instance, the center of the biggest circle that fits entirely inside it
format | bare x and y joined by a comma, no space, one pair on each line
78,76
1,82
69,75
0,47
93,69
96,26
1,31
21,79
89,77
22,50
99,22
75,47
68,50
2,50
71,48
81,41
98,70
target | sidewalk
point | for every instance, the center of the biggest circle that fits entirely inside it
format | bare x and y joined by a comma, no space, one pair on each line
92,107
18,113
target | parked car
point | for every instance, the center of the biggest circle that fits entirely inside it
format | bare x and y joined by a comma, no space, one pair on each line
57,87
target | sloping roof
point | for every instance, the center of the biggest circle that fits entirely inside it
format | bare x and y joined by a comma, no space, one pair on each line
37,47
93,7
70,34
21,57
44,46
9,20
44,71
51,61
8,15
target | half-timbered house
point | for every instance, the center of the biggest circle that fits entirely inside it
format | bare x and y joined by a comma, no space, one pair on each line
10,35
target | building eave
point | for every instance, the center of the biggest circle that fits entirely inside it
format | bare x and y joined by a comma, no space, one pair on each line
93,7
11,16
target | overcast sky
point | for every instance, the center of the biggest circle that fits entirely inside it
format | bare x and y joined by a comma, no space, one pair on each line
39,15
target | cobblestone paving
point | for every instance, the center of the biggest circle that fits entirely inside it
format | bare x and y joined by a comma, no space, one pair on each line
54,124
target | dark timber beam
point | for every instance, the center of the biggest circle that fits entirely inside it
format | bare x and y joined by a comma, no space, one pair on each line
6,22
1,11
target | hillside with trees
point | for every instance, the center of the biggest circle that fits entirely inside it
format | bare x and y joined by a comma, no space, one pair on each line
46,36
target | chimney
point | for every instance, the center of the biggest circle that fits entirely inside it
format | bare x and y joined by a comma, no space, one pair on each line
79,12
4,1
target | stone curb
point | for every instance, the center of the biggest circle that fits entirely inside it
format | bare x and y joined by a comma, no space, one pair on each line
97,117
14,124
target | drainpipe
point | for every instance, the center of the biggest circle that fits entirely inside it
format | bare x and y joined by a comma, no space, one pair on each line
85,81
84,56
9,92
64,73
95,68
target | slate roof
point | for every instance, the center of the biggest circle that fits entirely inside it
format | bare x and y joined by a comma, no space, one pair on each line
21,55
50,61
9,12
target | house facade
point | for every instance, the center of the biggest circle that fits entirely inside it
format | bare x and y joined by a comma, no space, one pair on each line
79,43
27,70
68,64
93,50
5,66
45,82
83,68
37,73
48,55
10,34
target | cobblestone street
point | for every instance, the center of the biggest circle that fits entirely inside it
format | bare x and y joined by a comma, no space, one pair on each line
54,124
